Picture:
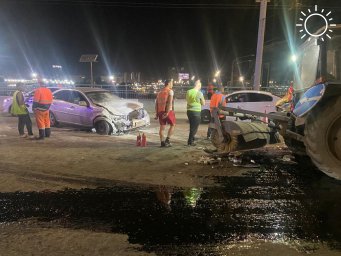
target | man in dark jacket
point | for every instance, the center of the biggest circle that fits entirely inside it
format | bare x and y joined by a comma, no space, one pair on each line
20,110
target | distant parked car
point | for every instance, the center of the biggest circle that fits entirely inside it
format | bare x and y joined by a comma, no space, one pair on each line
7,103
97,108
258,101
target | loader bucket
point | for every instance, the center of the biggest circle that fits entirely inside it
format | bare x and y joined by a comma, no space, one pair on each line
240,136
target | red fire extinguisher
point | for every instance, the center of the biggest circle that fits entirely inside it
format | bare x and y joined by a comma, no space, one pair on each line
144,140
138,140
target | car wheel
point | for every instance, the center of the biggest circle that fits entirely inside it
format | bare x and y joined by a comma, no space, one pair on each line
9,109
53,120
205,116
102,127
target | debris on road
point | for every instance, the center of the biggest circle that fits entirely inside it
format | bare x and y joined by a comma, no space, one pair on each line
209,160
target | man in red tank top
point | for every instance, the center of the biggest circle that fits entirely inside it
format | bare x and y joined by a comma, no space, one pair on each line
164,111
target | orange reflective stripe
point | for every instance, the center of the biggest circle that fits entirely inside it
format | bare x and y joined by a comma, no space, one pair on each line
45,101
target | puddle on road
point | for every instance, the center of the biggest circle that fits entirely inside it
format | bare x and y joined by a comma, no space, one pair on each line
280,203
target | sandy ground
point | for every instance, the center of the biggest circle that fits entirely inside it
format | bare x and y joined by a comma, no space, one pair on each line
78,159
75,159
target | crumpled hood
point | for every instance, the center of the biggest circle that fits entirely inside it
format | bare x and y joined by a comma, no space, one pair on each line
122,107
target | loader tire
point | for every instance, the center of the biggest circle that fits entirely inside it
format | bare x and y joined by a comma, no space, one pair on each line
323,137
296,147
205,116
229,144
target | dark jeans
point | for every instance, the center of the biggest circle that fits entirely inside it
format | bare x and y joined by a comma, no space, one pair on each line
194,118
24,120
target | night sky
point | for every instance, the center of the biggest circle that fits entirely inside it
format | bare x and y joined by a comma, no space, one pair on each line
133,35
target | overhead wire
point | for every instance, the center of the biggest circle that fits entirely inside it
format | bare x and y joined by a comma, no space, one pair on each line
159,5
169,5
146,4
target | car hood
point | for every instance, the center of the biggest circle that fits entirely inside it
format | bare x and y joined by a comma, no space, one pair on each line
121,107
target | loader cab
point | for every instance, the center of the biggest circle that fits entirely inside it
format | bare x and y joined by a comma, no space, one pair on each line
333,57
318,61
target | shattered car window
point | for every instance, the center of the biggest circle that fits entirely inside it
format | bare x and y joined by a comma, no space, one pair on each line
101,97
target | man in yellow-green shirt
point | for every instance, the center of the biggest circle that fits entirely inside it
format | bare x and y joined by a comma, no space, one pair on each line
195,99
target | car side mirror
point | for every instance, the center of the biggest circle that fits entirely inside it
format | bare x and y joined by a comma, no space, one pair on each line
83,103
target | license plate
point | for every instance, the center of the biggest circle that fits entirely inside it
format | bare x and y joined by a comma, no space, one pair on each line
138,123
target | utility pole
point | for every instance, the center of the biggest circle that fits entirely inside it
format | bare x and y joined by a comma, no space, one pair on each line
260,44
89,58
91,74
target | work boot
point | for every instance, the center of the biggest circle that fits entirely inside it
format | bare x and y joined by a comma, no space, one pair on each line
41,134
163,144
167,143
47,132
191,143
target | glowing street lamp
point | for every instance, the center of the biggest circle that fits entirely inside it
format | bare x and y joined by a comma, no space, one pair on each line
34,75
241,79
293,58
217,73
111,77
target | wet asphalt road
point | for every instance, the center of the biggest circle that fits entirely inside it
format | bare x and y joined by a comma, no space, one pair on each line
278,202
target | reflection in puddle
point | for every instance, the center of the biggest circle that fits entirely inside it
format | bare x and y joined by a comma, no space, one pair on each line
278,204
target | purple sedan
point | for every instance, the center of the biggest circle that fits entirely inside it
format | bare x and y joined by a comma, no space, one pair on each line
96,108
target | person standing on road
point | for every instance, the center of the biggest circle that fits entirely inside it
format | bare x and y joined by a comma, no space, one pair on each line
210,90
164,111
217,100
42,100
195,99
19,109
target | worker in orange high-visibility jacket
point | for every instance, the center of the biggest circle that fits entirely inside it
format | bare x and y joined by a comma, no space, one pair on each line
217,99
287,98
42,100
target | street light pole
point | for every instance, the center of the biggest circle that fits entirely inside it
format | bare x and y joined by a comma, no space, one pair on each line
89,58
91,74
260,44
